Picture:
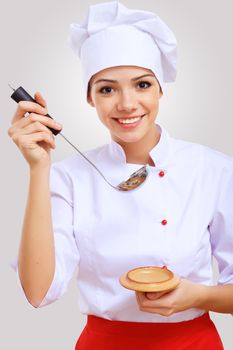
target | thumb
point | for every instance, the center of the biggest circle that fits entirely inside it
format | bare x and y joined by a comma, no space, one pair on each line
154,295
39,99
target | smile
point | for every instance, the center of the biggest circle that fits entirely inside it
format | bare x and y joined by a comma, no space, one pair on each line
130,121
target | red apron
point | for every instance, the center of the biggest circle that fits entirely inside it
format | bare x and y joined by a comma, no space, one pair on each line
102,334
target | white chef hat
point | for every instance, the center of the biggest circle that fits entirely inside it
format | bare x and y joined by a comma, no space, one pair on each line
113,35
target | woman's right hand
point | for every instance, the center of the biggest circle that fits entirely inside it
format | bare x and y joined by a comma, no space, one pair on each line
31,134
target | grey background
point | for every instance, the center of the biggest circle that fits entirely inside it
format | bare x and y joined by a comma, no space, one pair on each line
35,54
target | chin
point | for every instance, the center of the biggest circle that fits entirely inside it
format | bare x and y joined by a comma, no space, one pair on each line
128,138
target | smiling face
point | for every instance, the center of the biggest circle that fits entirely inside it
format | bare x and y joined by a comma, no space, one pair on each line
126,99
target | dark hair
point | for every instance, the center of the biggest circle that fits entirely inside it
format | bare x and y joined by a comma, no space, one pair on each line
88,89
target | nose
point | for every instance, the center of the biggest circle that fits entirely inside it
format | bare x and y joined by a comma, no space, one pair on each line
126,101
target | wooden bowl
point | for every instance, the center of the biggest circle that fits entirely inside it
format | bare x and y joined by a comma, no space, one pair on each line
150,279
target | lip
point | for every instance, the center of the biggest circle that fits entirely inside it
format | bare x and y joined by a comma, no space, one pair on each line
132,125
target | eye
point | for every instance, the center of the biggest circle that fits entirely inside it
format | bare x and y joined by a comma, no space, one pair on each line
144,84
105,90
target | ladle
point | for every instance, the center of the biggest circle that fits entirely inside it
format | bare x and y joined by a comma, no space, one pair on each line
135,179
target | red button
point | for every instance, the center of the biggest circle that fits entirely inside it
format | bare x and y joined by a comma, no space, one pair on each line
164,222
161,173
164,267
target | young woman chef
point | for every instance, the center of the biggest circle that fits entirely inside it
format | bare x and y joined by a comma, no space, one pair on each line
180,217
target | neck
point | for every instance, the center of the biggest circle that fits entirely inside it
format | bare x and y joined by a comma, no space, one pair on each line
138,152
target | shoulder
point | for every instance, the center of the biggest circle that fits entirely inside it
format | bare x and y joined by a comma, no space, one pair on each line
201,155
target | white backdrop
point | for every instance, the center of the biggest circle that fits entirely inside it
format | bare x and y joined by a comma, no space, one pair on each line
35,54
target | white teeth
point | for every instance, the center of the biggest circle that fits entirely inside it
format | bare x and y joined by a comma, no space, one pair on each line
129,121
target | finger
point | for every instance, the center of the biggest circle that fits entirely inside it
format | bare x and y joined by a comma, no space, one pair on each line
155,295
45,137
39,99
144,302
160,311
33,118
145,305
137,298
30,107
34,128
30,141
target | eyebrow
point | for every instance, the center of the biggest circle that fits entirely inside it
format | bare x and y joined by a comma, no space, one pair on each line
115,81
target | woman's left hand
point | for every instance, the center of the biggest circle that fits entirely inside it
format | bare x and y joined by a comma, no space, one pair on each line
185,296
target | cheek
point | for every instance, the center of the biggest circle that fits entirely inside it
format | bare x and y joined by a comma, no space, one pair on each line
102,113
151,100
103,108
151,104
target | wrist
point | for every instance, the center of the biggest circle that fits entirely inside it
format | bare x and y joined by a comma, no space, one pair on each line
202,297
39,169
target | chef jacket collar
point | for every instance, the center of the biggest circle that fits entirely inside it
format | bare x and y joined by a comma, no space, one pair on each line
159,154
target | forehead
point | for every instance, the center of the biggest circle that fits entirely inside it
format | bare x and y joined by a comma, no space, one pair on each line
118,72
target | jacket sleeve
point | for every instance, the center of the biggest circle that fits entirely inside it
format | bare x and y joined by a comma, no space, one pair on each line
66,251
221,228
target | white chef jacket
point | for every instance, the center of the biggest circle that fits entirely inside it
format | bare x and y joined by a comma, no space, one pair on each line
102,233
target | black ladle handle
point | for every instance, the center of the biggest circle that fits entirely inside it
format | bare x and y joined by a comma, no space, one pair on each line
22,95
